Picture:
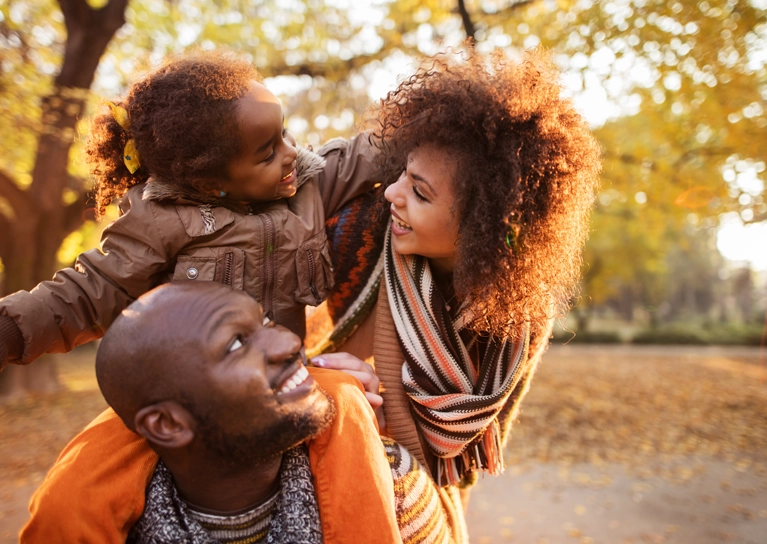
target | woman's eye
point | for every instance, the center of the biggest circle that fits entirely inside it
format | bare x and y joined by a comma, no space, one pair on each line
418,194
237,344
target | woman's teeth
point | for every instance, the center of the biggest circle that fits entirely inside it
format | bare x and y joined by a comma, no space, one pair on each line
295,380
402,224
290,174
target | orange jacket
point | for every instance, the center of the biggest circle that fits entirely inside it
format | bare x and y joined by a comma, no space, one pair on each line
95,491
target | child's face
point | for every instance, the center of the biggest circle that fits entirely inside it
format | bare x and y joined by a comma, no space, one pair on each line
265,168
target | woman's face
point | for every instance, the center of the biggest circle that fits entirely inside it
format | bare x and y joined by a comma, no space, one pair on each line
423,222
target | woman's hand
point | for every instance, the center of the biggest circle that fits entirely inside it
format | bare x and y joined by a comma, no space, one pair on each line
361,370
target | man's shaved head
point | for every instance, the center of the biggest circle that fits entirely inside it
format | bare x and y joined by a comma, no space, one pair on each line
199,354
137,361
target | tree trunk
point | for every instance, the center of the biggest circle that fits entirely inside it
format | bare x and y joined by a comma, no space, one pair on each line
40,219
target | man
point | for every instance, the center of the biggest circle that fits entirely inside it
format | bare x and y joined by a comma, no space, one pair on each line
225,401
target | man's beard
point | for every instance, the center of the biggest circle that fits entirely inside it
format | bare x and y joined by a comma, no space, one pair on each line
247,449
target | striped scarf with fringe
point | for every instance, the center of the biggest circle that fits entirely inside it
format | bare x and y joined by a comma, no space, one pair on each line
455,403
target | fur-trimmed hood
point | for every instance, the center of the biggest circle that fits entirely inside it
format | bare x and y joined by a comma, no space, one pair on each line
308,164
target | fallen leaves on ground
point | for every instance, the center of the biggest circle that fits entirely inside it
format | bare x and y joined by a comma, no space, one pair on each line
599,405
35,429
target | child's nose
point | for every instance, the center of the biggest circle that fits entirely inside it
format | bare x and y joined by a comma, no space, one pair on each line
291,153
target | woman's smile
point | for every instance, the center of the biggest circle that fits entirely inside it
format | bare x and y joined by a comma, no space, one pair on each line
399,227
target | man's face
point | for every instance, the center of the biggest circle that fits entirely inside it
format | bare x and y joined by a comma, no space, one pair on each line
253,398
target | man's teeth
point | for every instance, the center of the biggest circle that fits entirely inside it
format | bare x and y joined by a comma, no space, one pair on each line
401,224
295,380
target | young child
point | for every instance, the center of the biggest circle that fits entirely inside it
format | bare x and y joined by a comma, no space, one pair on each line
214,189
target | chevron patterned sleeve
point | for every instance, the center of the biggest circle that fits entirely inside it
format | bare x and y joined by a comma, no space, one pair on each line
421,515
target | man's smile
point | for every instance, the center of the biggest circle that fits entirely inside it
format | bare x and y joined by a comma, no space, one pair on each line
294,380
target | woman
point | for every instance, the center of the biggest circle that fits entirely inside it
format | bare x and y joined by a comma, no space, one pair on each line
491,174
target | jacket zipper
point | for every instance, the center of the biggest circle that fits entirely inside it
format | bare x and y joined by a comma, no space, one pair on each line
228,262
310,258
266,299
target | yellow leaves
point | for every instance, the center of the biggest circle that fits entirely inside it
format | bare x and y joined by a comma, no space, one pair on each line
695,197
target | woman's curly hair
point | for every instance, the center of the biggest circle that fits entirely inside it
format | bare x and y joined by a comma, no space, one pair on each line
183,120
528,169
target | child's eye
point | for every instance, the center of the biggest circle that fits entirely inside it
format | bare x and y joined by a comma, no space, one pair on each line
237,344
418,194
270,158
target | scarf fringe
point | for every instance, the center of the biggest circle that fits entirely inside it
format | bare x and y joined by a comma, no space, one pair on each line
484,454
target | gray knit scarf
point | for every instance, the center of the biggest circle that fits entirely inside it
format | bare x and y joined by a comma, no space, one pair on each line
295,519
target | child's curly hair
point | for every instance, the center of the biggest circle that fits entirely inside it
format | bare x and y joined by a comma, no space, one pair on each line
183,121
528,169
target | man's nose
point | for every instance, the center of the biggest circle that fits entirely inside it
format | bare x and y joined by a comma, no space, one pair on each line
279,344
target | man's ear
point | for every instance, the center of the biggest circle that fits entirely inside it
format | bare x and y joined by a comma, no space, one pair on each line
166,424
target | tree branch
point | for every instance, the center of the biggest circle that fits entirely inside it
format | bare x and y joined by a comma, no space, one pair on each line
325,70
5,227
703,152
78,212
468,24
758,218
16,197
631,159
514,6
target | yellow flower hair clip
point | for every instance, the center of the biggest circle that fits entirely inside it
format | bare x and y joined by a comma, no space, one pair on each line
130,153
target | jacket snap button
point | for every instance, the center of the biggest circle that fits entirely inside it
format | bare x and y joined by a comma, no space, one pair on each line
192,273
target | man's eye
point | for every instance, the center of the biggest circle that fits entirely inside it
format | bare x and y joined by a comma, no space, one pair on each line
237,344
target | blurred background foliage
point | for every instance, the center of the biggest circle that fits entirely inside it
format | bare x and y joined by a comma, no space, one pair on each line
674,89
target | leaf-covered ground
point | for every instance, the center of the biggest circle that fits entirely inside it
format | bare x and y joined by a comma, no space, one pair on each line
634,444
614,444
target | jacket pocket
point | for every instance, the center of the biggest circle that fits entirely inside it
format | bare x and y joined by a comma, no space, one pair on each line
221,264
313,270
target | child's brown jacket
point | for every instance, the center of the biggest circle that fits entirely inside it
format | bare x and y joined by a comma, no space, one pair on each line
276,252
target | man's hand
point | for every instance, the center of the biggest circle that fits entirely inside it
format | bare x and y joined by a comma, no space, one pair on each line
361,370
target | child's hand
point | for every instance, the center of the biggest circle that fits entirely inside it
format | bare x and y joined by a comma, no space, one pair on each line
361,370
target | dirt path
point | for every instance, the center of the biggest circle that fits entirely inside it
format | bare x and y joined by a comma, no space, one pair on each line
614,445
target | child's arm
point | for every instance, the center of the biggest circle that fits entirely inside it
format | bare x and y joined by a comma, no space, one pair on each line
80,303
349,171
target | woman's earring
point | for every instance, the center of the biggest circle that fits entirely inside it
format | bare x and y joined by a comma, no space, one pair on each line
222,194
